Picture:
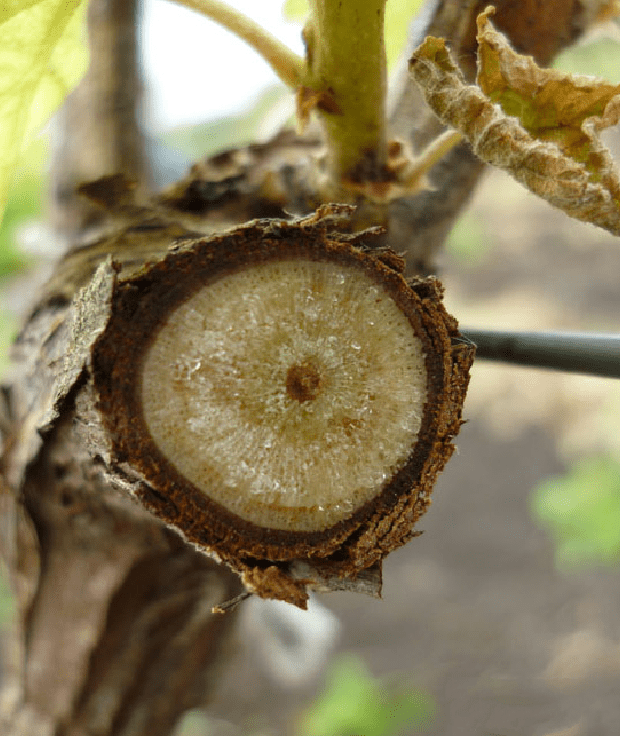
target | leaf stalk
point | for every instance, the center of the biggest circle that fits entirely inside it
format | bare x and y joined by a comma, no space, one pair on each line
288,65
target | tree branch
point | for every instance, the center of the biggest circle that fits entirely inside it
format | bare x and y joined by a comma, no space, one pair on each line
98,130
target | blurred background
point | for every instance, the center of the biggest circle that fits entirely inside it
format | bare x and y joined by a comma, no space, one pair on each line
503,617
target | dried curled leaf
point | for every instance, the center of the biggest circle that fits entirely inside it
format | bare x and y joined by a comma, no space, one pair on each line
540,125
568,110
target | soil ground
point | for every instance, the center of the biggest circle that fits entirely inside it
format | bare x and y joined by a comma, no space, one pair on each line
475,610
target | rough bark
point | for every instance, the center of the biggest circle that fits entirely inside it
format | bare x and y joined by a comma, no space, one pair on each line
111,609
119,601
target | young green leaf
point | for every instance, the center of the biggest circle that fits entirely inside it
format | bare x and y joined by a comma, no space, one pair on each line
582,512
353,702
43,55
296,10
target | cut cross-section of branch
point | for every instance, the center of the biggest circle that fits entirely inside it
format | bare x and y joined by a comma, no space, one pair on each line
280,393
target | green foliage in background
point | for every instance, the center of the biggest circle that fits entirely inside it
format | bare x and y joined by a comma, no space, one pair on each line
43,55
599,59
24,203
229,132
8,330
296,10
469,242
581,511
6,599
398,15
194,723
353,702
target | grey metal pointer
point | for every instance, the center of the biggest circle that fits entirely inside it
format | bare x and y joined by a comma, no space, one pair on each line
578,352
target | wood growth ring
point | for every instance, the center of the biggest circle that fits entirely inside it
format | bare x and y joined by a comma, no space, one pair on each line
284,393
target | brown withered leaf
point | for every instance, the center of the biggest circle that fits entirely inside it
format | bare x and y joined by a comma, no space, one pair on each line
568,110
540,125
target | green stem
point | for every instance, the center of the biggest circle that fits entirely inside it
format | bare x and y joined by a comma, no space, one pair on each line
346,54
431,155
344,77
287,65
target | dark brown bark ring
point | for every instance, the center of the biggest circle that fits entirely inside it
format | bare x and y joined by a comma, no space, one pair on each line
142,303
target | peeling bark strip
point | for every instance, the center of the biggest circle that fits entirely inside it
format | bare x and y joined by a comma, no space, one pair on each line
279,393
